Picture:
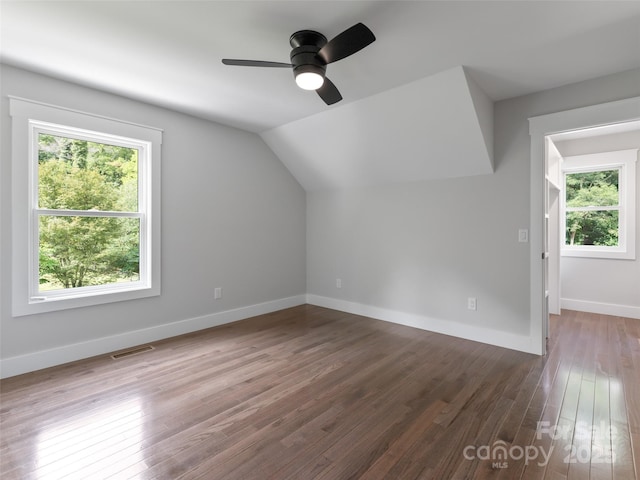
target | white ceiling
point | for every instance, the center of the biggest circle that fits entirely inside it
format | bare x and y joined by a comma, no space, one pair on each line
168,53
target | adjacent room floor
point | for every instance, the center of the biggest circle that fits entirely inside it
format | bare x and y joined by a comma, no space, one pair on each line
311,393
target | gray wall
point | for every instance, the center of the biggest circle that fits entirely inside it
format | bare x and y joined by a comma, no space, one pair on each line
232,217
423,248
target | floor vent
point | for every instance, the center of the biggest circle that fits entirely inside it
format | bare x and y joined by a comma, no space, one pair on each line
133,351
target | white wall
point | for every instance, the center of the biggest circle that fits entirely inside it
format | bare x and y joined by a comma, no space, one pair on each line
413,253
602,285
232,217
445,114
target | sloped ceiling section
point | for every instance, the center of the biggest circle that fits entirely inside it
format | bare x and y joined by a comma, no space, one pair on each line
438,127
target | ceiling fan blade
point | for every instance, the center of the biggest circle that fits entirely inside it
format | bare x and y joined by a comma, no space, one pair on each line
329,93
255,63
347,43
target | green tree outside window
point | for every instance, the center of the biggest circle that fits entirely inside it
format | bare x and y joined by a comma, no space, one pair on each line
592,208
84,250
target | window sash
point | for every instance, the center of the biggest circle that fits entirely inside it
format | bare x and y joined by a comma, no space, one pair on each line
143,261
37,128
606,168
596,208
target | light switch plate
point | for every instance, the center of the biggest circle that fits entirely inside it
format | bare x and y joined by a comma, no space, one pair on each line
523,235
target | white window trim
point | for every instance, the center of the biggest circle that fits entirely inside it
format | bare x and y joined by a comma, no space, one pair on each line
27,117
625,161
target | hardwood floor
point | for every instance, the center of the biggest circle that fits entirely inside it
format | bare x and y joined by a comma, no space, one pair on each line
311,393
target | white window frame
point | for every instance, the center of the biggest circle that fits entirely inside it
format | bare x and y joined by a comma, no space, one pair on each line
29,118
625,162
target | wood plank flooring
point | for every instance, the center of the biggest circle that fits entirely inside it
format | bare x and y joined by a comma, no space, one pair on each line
311,393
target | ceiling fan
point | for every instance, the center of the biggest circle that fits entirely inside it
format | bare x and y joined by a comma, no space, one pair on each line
312,53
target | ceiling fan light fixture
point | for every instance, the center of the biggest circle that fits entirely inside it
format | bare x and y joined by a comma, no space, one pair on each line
309,77
309,80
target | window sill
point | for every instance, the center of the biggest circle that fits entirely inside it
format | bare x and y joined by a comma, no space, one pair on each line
44,304
598,253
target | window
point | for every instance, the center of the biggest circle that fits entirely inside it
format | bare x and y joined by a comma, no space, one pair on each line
599,205
592,208
90,214
86,217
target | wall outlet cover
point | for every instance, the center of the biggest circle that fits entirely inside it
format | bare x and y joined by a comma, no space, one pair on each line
472,303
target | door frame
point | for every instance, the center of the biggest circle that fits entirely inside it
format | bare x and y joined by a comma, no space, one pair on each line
539,128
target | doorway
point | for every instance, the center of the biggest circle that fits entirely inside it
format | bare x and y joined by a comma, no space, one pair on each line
592,248
540,129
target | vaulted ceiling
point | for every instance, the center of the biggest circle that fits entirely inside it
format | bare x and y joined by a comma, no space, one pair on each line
435,67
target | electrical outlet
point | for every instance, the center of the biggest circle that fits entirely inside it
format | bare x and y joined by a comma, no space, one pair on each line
472,303
217,293
338,283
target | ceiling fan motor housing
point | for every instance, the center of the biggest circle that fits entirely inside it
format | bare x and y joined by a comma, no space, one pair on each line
304,56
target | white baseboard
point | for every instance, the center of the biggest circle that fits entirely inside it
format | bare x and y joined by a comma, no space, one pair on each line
498,338
628,311
30,362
